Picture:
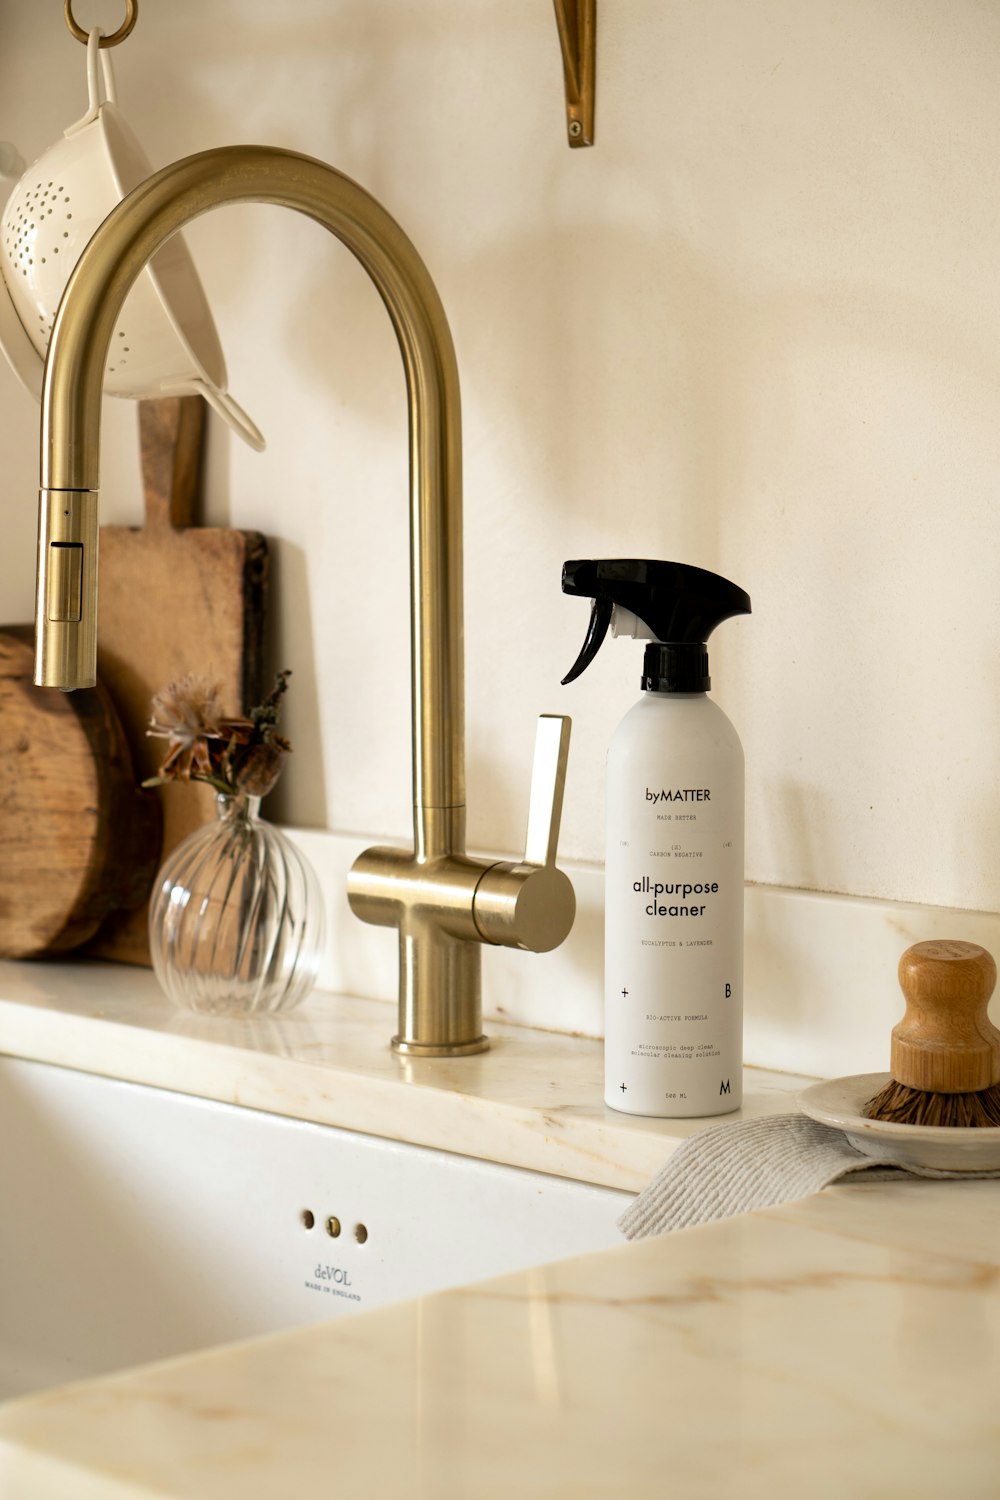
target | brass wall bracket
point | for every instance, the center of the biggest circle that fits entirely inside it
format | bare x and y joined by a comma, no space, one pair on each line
577,22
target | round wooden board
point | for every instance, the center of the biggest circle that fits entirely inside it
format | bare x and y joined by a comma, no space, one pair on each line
77,839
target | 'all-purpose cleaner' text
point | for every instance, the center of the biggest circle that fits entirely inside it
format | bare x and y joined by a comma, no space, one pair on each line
657,889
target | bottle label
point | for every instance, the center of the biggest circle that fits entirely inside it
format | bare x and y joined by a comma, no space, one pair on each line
674,949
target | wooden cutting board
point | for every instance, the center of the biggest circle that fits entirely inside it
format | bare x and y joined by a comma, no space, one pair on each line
175,597
77,839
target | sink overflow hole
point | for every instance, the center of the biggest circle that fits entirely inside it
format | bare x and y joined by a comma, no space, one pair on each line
360,1233
333,1226
308,1218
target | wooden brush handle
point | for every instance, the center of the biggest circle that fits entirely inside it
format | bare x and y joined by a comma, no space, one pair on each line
946,1043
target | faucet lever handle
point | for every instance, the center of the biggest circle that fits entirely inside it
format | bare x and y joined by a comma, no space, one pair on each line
548,783
531,905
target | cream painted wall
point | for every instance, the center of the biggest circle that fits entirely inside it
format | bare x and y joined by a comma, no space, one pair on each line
756,328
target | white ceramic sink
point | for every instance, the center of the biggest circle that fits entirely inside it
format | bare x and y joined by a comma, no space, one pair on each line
136,1224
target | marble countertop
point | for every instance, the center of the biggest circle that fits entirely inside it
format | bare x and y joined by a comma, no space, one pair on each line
534,1100
844,1346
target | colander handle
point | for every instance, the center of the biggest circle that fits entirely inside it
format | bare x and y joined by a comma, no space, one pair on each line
101,87
231,413
12,163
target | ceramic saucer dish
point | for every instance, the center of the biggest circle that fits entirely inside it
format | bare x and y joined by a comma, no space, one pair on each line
839,1102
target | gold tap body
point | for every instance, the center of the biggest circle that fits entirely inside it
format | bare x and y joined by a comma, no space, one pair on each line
444,903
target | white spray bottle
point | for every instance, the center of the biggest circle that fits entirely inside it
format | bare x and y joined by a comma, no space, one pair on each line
674,851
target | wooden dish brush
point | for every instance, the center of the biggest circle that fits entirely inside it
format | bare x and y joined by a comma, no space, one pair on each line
945,1054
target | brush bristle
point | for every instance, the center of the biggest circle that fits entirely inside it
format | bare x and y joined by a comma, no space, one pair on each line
906,1106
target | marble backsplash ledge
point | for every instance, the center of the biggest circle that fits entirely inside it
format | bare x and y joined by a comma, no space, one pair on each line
821,994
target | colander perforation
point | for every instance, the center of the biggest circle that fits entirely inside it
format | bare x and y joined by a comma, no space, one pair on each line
124,349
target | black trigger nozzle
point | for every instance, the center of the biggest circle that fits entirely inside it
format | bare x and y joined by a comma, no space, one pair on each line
601,611
678,604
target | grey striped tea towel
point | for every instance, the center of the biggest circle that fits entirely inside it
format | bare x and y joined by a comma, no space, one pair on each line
747,1164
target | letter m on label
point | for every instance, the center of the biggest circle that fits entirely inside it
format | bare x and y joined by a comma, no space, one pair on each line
724,1086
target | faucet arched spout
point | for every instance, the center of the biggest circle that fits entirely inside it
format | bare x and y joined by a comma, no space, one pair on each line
71,415
444,904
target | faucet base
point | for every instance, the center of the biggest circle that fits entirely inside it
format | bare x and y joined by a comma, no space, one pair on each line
430,904
439,1049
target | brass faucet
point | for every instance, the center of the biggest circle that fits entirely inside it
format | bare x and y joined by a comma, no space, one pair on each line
444,903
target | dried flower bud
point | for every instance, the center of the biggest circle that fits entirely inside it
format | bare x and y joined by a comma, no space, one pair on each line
259,770
186,710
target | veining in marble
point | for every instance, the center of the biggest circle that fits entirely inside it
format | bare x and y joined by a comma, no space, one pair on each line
815,1350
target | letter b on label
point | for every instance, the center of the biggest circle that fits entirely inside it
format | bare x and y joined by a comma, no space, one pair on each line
729,992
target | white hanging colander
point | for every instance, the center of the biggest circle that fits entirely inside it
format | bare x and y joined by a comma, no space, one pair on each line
165,342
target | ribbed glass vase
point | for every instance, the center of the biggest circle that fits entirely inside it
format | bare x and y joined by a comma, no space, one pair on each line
236,921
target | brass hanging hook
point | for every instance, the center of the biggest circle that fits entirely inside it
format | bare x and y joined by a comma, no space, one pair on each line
124,30
577,23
